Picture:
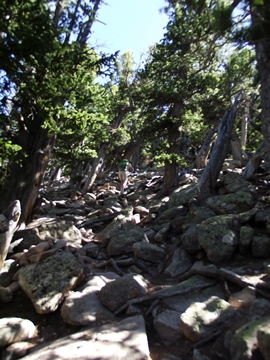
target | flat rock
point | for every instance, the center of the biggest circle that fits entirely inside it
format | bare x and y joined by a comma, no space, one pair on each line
119,341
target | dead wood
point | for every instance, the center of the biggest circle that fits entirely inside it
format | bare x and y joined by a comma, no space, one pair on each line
162,294
8,223
211,173
227,275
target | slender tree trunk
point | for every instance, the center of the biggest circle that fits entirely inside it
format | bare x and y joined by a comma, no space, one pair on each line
8,223
203,154
211,173
236,146
98,162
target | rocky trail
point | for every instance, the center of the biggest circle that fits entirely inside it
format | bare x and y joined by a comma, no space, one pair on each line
111,276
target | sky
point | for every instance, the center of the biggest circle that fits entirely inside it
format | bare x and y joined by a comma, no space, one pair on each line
129,25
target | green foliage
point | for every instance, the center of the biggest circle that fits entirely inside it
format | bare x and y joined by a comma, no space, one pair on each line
170,158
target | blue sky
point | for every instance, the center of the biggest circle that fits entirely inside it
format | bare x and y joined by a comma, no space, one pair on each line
129,25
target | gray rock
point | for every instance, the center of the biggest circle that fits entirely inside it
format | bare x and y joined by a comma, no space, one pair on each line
162,233
148,252
167,325
47,282
190,240
235,203
245,340
83,307
180,263
245,239
183,195
218,242
261,246
201,319
126,339
116,293
264,340
13,329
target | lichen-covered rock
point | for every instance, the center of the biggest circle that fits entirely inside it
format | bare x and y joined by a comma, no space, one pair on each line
218,239
201,319
47,282
235,203
245,340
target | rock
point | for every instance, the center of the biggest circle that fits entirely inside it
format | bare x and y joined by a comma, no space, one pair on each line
183,194
171,213
123,237
245,239
149,252
259,309
6,295
126,339
243,298
264,340
245,340
47,283
162,233
190,240
180,263
116,293
13,329
261,246
83,307
233,183
167,326
201,319
219,244
235,203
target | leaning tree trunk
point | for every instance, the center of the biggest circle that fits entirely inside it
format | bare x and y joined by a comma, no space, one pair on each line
98,162
211,173
8,223
203,154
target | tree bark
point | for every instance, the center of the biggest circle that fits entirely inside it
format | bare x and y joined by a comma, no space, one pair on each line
98,162
171,166
25,177
262,47
236,147
8,223
202,157
211,173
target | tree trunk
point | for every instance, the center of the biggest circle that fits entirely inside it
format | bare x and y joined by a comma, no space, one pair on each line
8,223
98,162
211,173
25,177
132,152
236,147
203,154
262,47
171,167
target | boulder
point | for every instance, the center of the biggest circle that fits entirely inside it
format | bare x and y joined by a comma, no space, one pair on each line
47,282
